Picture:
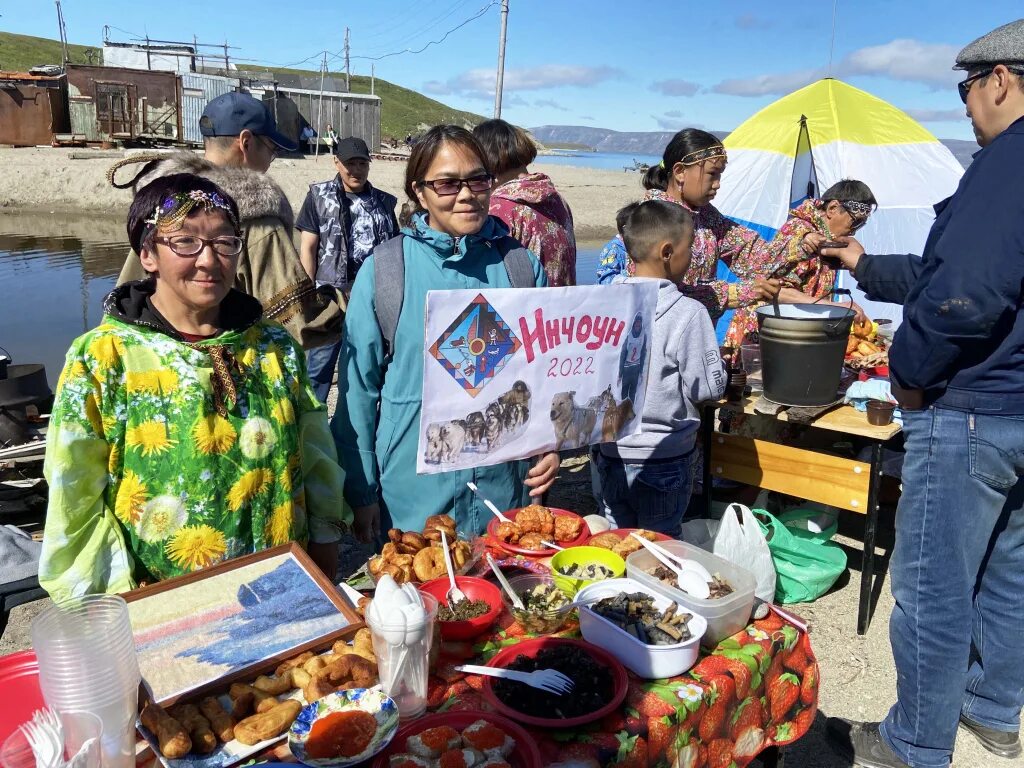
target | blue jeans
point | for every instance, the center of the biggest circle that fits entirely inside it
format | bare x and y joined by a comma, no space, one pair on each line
652,495
321,364
958,578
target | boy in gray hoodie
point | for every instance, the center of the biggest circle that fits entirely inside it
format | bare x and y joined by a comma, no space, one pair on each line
646,478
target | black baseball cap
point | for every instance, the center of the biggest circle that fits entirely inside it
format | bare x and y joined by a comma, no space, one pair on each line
351,148
232,113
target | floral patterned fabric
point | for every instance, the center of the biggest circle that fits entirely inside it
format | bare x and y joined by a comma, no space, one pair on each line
539,218
148,481
810,275
715,238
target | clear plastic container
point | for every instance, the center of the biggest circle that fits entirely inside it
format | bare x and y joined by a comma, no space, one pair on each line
652,662
536,622
403,659
725,616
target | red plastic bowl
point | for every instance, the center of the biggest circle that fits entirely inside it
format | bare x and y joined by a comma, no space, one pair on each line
475,589
525,755
19,681
530,649
492,531
624,532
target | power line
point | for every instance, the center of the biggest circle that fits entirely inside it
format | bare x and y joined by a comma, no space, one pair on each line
475,16
421,30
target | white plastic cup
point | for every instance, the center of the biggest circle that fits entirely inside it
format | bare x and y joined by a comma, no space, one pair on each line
405,667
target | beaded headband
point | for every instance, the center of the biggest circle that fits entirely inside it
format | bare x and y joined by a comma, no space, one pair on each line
169,215
704,154
857,209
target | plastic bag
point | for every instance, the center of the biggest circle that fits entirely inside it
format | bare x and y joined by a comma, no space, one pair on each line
738,537
807,563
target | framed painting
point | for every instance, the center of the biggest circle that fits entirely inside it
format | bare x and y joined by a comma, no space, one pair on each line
198,633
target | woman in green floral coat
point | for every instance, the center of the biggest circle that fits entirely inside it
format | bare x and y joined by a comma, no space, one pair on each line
184,430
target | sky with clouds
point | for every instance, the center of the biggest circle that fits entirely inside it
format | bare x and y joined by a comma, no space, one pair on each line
632,66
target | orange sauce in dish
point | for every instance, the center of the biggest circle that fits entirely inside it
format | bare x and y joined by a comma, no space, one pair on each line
341,734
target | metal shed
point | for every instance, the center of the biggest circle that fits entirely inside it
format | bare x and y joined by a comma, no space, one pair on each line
119,104
351,114
197,90
32,108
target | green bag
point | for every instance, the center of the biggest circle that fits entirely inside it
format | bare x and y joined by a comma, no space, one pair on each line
807,563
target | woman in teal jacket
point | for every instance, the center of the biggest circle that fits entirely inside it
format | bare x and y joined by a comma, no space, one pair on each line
448,245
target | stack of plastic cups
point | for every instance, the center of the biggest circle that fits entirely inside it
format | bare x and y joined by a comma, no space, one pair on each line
403,658
87,662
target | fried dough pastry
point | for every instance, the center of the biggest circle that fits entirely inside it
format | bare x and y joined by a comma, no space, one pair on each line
274,685
296,661
362,645
628,545
170,734
535,519
567,528
508,532
606,540
269,724
346,669
220,721
204,741
532,541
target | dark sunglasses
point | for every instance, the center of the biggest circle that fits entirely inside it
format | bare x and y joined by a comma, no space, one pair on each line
964,86
449,187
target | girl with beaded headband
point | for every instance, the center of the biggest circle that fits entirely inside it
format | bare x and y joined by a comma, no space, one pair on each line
184,430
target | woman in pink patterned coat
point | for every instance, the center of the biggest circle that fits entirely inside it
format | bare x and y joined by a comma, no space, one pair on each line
528,203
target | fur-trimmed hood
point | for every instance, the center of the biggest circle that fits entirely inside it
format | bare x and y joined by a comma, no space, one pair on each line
257,196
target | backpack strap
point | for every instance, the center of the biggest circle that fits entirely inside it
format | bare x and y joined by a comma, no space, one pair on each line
518,263
389,288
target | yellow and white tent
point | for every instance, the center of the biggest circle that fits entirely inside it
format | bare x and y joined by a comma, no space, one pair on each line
803,143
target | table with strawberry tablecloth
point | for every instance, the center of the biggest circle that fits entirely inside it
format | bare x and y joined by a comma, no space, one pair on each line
755,691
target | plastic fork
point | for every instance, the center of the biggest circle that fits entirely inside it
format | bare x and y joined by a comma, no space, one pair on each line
45,734
550,680
488,503
454,594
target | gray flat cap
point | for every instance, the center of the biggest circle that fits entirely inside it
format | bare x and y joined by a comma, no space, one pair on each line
1003,45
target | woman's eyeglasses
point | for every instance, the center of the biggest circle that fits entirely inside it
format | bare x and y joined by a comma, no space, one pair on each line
191,245
449,187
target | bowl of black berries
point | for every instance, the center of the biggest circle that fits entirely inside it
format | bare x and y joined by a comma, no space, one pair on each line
599,680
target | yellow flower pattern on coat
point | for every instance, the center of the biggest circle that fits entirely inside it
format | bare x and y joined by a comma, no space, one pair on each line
150,437
213,434
106,349
196,546
283,411
248,486
279,524
271,363
131,497
113,458
156,382
92,413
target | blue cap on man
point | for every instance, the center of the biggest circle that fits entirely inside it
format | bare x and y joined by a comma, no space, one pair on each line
232,113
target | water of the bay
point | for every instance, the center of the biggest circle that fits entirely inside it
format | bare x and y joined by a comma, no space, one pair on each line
55,271
611,161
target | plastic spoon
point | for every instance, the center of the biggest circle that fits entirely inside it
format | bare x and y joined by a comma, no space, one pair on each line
687,579
454,594
681,562
551,545
516,602
487,503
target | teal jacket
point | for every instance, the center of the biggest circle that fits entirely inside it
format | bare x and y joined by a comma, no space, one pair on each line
379,451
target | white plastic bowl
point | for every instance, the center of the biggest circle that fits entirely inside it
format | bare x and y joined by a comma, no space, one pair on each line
651,662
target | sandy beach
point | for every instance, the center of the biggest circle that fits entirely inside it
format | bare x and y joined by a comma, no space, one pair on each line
45,179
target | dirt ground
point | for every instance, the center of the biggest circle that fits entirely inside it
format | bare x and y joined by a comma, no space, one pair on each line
858,679
60,180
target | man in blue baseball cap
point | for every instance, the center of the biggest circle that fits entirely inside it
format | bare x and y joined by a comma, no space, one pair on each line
240,141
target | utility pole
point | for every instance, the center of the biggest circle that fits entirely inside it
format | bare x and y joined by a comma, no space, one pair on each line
373,76
320,111
348,85
227,64
501,59
63,36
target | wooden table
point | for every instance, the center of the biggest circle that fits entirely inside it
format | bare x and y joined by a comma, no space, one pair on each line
813,475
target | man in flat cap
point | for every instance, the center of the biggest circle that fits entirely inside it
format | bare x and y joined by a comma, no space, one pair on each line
957,369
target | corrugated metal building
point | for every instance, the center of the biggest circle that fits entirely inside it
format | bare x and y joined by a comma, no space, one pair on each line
32,108
197,90
351,114
166,58
120,104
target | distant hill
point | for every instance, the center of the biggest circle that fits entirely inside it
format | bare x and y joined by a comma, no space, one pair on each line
403,111
654,142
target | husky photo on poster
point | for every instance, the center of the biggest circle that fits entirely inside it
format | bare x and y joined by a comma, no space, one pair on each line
510,372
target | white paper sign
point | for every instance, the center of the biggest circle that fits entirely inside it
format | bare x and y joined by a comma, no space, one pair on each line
511,373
